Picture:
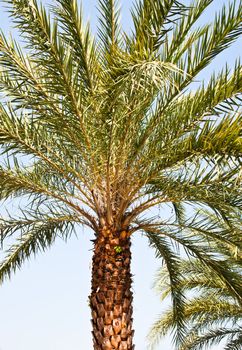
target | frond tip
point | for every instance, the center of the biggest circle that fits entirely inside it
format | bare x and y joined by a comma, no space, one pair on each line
171,261
211,313
109,31
36,237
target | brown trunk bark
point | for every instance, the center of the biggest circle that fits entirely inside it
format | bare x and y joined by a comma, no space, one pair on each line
111,296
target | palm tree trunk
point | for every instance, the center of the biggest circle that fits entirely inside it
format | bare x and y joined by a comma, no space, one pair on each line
111,296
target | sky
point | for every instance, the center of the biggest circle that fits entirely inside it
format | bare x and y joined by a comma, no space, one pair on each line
44,306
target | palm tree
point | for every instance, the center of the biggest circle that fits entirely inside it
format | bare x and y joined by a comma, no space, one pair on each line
212,313
98,131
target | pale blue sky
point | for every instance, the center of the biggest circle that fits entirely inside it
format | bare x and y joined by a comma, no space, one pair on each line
45,304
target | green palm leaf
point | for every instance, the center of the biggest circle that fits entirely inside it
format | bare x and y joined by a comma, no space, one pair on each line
37,236
211,313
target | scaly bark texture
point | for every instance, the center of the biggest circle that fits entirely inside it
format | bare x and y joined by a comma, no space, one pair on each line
111,296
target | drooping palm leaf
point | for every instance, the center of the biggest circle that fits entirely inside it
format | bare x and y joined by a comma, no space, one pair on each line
211,312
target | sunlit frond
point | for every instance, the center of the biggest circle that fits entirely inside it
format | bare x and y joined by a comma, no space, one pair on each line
109,19
78,36
211,313
37,236
171,261
151,23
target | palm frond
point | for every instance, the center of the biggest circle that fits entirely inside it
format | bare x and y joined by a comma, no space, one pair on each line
182,34
225,30
21,80
196,277
205,185
76,34
35,182
13,226
206,251
109,31
22,134
220,96
38,237
211,337
50,51
171,261
235,343
151,23
210,306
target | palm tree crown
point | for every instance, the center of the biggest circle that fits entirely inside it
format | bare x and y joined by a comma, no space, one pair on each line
111,129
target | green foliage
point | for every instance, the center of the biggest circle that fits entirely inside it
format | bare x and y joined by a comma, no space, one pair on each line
172,262
109,31
211,312
36,235
110,128
150,22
